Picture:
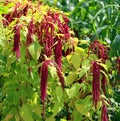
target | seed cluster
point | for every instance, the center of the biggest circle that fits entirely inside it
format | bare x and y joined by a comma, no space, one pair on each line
16,46
96,83
104,115
100,50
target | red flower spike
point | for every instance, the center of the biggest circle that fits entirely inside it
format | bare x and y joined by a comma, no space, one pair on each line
45,34
48,44
16,47
58,52
58,59
96,83
44,77
29,36
7,19
100,50
65,19
25,10
103,81
104,116
30,32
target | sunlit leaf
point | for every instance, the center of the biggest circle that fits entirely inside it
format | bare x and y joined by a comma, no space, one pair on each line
71,78
84,70
77,116
26,113
59,100
104,66
35,50
115,46
73,91
84,105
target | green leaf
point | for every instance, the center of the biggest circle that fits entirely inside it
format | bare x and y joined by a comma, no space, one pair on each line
3,9
108,64
114,48
10,60
80,51
71,78
76,60
77,57
63,120
84,42
73,91
83,13
83,106
83,71
51,118
58,100
77,116
53,71
26,112
99,30
35,50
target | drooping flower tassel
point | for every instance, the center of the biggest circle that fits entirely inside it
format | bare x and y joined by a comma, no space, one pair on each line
30,32
29,36
25,10
43,83
45,32
100,50
96,83
104,116
58,52
16,46
58,59
103,84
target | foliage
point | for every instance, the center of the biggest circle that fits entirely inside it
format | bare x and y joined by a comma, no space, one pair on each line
45,73
94,19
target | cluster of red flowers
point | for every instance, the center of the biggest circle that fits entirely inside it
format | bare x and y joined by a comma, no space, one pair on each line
8,18
100,50
51,41
44,78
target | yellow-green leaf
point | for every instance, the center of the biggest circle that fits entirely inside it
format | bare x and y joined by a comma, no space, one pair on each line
35,50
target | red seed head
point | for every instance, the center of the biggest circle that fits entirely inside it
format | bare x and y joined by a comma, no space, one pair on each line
104,116
100,50
44,77
58,52
103,82
30,32
96,83
16,46
25,10
7,19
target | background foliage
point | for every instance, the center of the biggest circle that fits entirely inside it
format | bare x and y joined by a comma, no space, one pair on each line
20,90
